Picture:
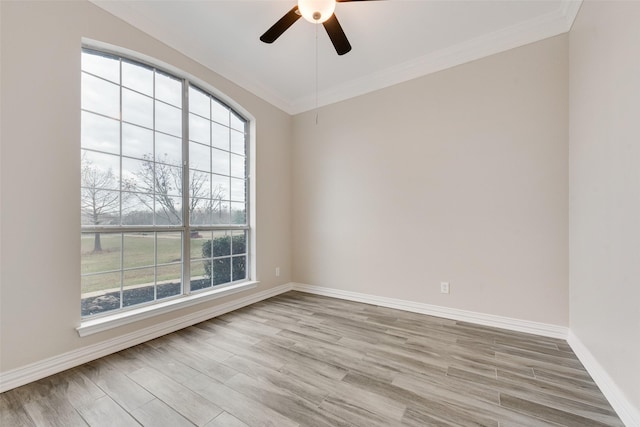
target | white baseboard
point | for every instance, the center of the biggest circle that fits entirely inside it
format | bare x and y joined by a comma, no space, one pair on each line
519,325
35,371
629,415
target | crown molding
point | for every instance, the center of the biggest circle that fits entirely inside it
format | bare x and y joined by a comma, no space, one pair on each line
540,28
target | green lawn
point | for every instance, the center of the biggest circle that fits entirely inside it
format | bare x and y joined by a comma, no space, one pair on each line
135,250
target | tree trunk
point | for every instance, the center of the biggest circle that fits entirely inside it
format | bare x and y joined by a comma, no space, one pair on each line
97,245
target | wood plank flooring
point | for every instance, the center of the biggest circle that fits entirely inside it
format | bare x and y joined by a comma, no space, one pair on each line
304,360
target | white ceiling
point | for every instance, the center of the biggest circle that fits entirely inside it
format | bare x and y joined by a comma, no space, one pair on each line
393,40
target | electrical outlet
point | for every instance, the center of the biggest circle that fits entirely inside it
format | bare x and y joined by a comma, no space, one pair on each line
444,287
277,271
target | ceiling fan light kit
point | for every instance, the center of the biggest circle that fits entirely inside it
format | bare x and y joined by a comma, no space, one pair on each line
316,12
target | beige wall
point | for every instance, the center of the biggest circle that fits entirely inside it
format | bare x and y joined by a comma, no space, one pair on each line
459,176
40,131
604,213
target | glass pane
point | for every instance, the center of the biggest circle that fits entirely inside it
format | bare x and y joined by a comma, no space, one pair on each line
199,244
239,267
99,206
99,252
137,209
238,190
100,96
137,141
169,281
138,250
200,211
199,157
200,275
168,119
236,122
100,133
100,293
168,180
220,245
169,247
221,271
137,77
102,65
137,108
168,210
168,89
237,166
100,170
220,162
219,112
220,136
237,142
199,129
137,175
220,212
238,213
220,187
199,185
138,286
168,149
199,103
239,242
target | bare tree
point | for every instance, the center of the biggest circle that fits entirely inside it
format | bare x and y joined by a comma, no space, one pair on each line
164,179
99,202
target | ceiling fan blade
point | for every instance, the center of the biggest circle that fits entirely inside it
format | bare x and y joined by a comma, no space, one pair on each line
281,26
337,35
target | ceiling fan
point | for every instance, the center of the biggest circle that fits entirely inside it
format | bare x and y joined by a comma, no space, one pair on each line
316,12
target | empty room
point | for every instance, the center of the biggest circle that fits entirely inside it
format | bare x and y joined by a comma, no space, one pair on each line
320,213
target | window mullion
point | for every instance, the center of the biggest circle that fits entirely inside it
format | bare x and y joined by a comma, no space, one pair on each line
186,214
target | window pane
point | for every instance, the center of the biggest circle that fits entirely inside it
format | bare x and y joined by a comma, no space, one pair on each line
137,209
199,103
220,136
100,170
199,244
169,280
100,252
138,286
168,89
237,142
200,275
237,190
168,149
168,210
100,207
220,214
220,162
168,119
221,271
169,247
137,77
100,96
239,267
139,249
100,133
199,157
219,112
199,129
201,211
219,246
237,166
220,187
102,65
137,108
238,213
237,123
137,141
199,185
239,242
135,175
100,293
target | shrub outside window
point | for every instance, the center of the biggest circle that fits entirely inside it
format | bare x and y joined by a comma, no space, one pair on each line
164,186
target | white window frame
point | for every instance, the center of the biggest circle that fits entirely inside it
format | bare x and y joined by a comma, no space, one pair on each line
126,315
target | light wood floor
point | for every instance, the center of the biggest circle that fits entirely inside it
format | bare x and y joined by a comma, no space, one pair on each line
300,359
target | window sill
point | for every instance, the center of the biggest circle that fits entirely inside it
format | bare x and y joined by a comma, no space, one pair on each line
93,326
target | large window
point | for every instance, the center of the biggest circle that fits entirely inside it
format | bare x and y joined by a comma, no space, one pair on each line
164,189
